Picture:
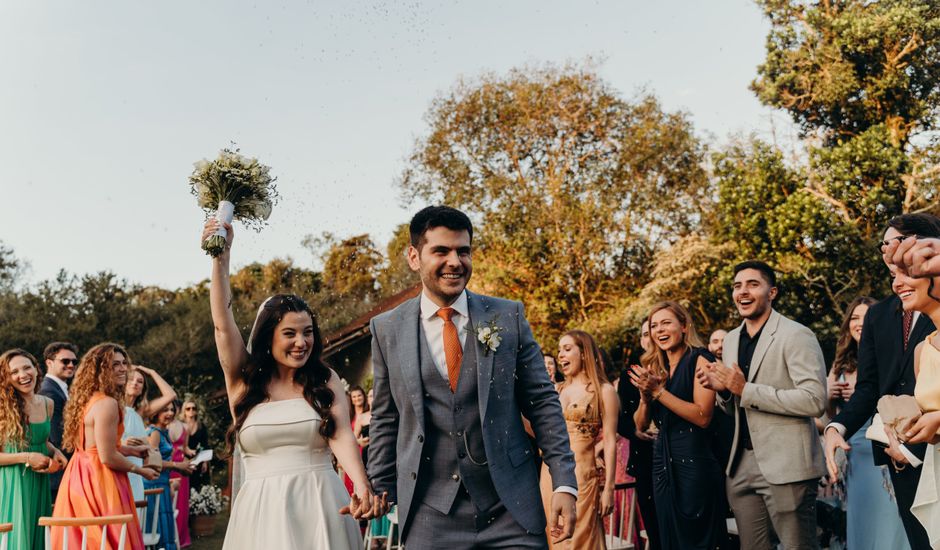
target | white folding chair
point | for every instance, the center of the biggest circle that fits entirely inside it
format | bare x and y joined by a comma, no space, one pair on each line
392,530
5,530
152,538
84,523
621,528
176,514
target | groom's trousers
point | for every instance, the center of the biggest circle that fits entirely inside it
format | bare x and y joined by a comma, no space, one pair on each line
466,528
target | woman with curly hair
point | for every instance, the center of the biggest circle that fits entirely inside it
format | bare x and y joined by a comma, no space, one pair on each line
26,455
95,482
290,412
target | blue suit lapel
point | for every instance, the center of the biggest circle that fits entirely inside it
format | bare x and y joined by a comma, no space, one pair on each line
409,360
480,315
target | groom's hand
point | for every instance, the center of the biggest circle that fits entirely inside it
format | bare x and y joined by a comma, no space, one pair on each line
563,516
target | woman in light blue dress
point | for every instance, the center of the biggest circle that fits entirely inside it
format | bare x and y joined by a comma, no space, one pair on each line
872,520
137,408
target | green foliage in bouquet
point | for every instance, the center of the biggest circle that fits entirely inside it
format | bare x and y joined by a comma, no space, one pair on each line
242,181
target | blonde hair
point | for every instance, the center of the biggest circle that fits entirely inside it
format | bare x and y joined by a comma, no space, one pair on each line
591,363
655,358
94,374
14,417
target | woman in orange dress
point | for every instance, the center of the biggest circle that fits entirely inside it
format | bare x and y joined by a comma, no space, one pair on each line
95,480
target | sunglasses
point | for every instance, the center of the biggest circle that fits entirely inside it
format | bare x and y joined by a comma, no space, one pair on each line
69,361
189,408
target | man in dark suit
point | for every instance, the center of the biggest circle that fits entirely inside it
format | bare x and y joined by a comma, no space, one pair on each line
640,464
886,367
61,363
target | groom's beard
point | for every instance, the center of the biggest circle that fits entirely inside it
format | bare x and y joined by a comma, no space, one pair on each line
444,289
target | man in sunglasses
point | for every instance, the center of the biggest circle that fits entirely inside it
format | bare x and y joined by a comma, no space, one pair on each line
61,363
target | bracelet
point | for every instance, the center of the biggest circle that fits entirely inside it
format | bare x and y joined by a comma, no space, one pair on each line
658,394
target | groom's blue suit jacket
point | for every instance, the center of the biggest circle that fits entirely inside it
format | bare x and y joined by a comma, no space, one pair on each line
512,382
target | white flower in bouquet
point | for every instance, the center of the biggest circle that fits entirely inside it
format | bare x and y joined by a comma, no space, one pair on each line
233,187
207,501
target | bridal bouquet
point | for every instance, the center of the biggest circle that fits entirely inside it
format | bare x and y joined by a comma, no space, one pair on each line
233,187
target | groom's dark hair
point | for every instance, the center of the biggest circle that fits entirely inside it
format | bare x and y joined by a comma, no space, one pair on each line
438,216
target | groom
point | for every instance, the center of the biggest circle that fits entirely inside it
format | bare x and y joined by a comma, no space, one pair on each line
455,372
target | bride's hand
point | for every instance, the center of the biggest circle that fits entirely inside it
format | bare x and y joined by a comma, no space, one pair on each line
925,430
212,225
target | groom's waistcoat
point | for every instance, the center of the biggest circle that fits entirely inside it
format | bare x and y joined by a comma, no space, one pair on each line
453,454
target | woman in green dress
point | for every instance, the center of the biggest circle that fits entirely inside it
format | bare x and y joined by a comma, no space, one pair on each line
27,456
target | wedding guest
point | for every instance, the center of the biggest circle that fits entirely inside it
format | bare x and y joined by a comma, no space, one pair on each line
136,408
773,383
872,521
640,463
61,359
198,441
289,413
94,425
27,456
180,481
716,343
362,420
686,474
550,366
158,436
886,367
590,406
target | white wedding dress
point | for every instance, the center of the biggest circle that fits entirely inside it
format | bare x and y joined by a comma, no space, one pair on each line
291,496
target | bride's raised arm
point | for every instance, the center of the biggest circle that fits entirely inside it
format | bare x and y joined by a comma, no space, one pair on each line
228,340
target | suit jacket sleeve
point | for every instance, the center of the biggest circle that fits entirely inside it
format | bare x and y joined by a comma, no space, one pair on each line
629,401
383,430
861,406
539,402
50,390
807,370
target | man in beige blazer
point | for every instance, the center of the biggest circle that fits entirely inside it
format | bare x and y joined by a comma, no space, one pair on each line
773,382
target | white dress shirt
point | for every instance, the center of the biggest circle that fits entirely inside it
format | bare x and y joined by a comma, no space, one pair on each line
60,382
433,326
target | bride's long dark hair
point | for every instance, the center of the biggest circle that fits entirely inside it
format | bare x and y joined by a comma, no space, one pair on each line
313,376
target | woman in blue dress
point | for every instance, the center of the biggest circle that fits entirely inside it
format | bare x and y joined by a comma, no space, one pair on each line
688,481
872,521
159,438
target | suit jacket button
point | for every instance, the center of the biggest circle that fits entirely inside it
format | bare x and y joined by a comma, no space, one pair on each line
420,439
461,455
455,477
414,475
459,434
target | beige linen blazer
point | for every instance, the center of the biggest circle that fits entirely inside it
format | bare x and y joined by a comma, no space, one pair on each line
784,393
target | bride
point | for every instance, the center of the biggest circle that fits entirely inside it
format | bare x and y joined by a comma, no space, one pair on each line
923,295
286,402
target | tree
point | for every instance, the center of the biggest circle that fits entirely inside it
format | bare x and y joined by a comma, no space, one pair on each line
573,187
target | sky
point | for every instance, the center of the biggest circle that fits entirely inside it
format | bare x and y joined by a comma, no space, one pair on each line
106,105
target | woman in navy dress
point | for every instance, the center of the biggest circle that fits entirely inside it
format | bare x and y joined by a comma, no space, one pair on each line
688,481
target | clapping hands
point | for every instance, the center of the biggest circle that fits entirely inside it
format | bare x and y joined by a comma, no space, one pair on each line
646,381
718,377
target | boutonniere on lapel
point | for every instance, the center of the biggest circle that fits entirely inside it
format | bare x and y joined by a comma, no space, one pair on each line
488,335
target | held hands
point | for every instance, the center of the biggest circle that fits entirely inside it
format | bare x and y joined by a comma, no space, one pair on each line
185,467
145,472
363,504
139,451
833,441
837,390
38,462
561,521
917,257
212,225
894,449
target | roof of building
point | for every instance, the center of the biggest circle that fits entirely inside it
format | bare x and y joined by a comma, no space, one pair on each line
358,328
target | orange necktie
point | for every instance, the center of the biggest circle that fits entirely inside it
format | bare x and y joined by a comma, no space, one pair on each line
452,350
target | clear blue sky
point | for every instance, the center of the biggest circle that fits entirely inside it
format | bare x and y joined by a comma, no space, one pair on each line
105,106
